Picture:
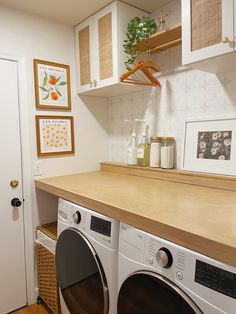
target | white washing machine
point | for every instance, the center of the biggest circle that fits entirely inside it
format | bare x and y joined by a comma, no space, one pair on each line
158,277
86,260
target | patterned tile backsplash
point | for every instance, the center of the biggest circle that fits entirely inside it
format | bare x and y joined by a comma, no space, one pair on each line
185,94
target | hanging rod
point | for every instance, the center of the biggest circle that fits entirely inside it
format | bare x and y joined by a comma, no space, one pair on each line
162,47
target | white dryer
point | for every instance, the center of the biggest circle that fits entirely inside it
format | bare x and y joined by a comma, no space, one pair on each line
86,260
156,276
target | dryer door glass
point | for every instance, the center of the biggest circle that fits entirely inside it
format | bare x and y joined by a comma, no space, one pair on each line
80,274
146,292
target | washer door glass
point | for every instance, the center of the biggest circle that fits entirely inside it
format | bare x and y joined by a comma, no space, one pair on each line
80,274
146,292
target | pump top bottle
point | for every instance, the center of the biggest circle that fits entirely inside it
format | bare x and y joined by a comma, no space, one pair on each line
143,151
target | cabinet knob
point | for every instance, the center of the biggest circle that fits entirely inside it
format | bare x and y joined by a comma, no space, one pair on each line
225,40
95,83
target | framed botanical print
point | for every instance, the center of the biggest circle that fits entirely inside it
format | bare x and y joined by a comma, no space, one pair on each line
210,146
55,135
52,85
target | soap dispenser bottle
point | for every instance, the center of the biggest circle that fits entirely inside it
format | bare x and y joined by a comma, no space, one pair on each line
143,151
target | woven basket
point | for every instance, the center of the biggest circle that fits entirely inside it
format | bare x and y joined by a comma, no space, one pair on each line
48,287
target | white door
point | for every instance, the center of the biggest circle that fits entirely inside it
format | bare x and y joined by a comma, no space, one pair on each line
207,29
12,255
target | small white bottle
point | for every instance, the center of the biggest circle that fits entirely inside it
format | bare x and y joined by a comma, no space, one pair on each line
132,150
167,153
155,152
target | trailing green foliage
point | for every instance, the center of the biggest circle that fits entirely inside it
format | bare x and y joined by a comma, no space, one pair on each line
138,29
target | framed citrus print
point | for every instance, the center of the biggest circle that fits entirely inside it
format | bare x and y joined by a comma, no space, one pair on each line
55,135
52,85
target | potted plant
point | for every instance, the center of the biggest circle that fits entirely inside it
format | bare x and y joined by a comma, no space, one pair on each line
138,29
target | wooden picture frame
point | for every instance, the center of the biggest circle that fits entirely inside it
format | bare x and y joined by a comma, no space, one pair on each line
54,135
210,146
52,85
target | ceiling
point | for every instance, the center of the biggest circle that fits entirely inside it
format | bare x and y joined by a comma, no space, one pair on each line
73,11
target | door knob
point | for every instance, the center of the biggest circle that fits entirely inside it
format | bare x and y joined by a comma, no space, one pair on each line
14,183
15,202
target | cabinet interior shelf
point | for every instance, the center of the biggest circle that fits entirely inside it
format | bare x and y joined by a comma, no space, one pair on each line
161,41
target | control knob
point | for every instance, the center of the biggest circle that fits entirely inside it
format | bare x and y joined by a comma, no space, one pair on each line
164,258
76,217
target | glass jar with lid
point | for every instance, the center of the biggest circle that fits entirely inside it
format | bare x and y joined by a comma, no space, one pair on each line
155,152
167,152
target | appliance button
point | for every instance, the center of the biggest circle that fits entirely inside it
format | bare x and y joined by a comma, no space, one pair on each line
164,258
150,260
76,217
179,275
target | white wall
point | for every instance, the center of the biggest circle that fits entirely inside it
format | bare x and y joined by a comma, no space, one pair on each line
32,37
185,94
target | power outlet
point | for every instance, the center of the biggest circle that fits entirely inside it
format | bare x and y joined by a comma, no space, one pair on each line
37,169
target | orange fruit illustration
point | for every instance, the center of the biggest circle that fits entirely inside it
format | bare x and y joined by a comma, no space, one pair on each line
54,96
52,80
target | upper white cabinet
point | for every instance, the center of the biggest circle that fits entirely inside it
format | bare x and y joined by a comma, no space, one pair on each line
99,50
207,30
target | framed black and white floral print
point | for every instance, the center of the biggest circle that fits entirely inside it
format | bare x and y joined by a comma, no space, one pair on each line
210,146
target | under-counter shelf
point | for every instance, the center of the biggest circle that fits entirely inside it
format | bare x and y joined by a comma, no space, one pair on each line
46,235
49,229
161,41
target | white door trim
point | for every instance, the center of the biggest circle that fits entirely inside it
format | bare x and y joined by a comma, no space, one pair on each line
26,154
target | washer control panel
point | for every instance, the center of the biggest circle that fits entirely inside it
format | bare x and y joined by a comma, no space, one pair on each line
160,254
216,278
101,226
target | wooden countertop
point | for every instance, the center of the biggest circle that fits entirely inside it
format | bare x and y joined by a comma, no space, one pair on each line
200,218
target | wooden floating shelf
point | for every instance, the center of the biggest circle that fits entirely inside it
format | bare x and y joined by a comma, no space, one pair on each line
161,41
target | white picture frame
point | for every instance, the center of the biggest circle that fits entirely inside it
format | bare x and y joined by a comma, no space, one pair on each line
210,146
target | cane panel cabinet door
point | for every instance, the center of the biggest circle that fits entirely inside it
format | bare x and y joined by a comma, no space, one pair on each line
105,46
84,53
207,29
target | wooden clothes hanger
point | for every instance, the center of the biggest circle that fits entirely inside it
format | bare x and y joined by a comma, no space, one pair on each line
144,67
150,64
